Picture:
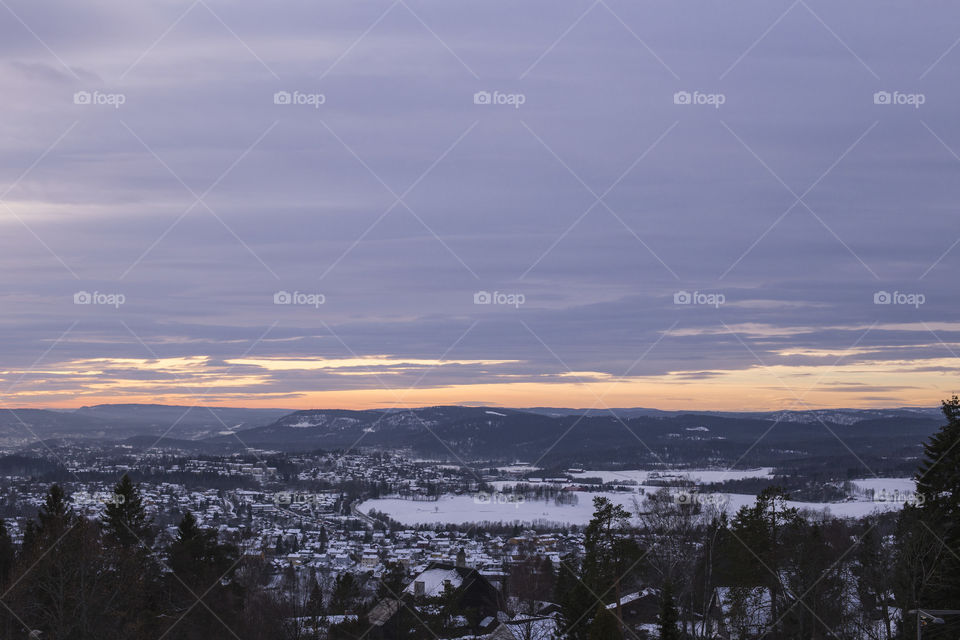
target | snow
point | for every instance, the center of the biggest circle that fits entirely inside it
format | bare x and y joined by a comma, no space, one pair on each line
903,485
697,475
434,581
494,413
888,490
464,509
519,467
303,424
533,628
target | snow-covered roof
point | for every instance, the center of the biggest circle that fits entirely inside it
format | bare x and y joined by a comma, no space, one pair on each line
434,581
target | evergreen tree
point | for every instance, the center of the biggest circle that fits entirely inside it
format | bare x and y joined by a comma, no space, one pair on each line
323,539
929,531
55,515
7,554
610,552
574,599
201,565
667,621
125,519
757,537
604,625
392,582
346,591
315,603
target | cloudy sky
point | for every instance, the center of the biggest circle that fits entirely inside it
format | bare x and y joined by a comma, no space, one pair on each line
747,205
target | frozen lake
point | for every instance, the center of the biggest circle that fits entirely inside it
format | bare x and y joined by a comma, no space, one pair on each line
465,509
700,476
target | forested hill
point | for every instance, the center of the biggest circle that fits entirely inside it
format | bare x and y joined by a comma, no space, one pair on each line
478,433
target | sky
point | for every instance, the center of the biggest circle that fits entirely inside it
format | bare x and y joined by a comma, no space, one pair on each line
610,203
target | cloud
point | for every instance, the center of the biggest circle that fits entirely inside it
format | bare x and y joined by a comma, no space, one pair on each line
398,198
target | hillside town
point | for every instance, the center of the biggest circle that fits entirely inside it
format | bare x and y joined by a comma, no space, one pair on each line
300,537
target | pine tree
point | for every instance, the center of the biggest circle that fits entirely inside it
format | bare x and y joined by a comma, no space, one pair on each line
610,552
757,537
574,599
345,593
202,565
125,518
188,528
930,530
55,515
667,621
315,603
324,539
604,626
7,554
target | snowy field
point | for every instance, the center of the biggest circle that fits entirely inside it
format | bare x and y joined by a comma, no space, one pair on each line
700,476
890,485
452,509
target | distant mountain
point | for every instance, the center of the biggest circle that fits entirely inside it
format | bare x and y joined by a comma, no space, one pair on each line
854,416
20,427
467,434
26,425
186,422
839,416
547,436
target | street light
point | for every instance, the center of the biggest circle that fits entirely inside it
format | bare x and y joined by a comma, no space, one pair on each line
931,615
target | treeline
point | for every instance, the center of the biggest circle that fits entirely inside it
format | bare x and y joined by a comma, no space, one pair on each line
771,572
119,578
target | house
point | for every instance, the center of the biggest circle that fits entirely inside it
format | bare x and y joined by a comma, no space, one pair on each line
638,609
465,590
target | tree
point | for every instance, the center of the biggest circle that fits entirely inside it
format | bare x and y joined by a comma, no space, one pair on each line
928,531
874,571
605,625
202,568
315,603
392,581
531,580
61,588
345,594
55,515
7,554
667,621
575,600
125,518
610,552
130,563
673,526
938,510
815,571
757,538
